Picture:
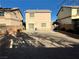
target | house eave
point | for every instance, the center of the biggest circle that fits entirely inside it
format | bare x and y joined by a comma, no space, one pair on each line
66,7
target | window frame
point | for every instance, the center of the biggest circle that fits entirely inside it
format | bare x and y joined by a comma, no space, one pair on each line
31,26
43,25
1,13
32,14
77,11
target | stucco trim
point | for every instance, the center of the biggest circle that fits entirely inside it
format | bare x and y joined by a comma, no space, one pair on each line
13,19
68,17
67,7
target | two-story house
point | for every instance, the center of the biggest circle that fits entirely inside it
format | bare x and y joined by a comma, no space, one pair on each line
38,21
68,17
10,19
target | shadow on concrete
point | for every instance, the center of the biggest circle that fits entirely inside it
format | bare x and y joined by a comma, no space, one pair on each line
5,41
23,35
73,35
43,53
36,53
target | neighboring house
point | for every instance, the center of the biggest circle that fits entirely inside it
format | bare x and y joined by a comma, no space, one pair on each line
10,19
68,17
38,21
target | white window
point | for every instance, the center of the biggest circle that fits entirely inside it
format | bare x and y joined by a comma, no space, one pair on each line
78,11
62,9
2,26
31,26
1,13
15,14
31,14
43,25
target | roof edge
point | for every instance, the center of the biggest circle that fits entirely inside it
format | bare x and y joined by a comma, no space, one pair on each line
38,10
67,6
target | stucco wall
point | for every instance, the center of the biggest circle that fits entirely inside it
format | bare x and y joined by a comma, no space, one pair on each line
66,16
38,19
66,21
64,12
12,20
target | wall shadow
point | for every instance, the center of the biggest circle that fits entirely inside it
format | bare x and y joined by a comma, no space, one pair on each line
20,36
70,34
43,53
73,34
31,52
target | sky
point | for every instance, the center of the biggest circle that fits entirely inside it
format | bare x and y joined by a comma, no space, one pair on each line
23,5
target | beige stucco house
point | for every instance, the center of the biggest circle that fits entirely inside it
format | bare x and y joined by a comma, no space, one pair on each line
10,19
38,21
68,17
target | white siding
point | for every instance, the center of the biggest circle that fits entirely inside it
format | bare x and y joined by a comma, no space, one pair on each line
64,13
66,21
37,20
